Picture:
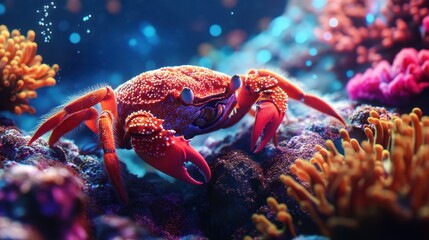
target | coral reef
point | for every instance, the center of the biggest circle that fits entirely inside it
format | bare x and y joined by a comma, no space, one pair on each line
22,71
232,194
378,189
394,84
269,229
366,32
48,202
115,227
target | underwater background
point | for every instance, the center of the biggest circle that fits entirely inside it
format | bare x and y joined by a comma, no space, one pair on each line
369,179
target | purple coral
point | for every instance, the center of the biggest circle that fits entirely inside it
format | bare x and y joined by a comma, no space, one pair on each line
393,84
50,201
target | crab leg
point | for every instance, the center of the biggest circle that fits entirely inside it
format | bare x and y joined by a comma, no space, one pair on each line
71,122
105,96
81,110
111,161
161,148
296,93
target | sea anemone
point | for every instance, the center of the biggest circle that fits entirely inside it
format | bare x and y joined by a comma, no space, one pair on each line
22,71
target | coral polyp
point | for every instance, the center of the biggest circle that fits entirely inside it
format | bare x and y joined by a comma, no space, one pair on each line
22,71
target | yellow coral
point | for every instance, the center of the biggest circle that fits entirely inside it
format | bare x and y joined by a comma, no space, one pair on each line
22,71
384,181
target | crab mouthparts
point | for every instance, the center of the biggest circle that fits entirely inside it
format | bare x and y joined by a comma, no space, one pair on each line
209,115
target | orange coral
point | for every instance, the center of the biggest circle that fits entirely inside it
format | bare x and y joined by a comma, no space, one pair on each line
270,230
22,71
384,180
377,189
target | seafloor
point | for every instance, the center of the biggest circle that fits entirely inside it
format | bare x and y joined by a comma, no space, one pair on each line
368,180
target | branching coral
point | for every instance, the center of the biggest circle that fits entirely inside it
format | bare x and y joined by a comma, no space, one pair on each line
393,84
22,71
377,189
270,230
367,32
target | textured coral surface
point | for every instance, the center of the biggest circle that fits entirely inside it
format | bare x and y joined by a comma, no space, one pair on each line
22,71
376,189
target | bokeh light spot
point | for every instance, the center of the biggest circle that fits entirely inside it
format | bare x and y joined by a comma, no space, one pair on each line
263,56
336,86
308,63
327,36
235,38
132,42
205,49
333,22
116,78
370,18
2,9
350,73
205,62
74,6
215,30
319,3
113,6
229,3
312,52
149,31
301,37
279,24
74,38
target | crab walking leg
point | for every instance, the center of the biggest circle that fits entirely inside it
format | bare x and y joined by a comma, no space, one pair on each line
71,122
111,161
161,148
105,96
296,93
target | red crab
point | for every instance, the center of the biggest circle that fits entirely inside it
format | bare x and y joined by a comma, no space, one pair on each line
155,112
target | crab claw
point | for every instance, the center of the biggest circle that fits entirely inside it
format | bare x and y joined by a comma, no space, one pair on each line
172,158
268,119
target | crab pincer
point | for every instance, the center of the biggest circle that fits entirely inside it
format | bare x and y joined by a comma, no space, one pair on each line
162,149
271,92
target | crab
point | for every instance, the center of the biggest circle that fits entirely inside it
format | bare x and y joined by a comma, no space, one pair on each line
156,112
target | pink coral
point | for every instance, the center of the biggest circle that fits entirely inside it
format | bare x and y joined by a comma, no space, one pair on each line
363,33
393,84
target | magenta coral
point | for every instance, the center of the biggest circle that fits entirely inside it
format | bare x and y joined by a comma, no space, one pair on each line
393,84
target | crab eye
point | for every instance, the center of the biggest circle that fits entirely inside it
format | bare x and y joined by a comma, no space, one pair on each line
186,96
235,83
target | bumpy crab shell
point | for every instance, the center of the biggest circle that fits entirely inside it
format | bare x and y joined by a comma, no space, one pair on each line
159,92
154,86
